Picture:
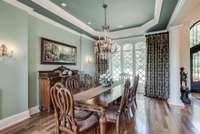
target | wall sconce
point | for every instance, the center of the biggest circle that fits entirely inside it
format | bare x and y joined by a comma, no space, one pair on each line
88,59
5,53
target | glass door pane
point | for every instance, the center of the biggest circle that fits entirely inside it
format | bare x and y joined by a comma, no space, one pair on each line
116,65
195,84
140,64
128,60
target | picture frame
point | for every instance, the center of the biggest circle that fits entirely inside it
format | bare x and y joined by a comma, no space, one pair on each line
54,52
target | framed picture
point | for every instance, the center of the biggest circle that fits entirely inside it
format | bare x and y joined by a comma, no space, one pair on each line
53,52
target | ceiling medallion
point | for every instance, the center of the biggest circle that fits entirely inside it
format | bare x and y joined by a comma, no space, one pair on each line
105,43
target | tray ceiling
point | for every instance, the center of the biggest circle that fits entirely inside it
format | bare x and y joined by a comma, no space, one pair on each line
123,15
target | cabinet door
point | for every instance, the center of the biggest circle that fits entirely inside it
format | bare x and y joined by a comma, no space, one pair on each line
44,94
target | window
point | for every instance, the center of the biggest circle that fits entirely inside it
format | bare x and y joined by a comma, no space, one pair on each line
140,63
127,66
131,59
195,56
195,34
116,64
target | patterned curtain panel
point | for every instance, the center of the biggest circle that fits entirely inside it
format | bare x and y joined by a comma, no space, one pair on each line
101,59
101,63
157,78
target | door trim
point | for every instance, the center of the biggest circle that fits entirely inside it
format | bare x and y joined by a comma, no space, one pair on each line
193,49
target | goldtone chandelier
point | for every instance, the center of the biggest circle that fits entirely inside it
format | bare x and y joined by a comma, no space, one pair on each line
105,43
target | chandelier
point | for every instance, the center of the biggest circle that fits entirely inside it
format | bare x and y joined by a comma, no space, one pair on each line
105,43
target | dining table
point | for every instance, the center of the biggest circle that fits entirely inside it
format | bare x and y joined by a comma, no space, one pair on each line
98,99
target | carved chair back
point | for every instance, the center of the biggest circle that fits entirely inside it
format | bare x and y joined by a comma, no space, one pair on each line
136,81
64,108
132,92
73,82
123,103
124,77
87,81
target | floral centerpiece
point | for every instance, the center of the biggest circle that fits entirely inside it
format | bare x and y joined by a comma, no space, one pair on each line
106,79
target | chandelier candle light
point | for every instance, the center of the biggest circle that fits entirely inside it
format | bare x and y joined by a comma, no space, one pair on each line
105,44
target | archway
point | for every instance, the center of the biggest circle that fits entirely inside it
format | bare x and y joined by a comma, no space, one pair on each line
195,56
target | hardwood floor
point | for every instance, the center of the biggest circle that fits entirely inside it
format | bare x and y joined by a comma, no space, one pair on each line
152,117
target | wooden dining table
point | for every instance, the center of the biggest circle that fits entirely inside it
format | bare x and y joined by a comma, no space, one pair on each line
98,99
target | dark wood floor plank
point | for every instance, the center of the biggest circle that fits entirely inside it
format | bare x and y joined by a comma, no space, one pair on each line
152,117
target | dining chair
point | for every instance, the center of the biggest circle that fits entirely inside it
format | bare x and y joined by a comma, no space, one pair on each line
134,89
73,83
65,115
116,112
86,82
124,77
131,101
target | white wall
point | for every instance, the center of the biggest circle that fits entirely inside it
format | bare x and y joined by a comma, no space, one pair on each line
174,62
180,50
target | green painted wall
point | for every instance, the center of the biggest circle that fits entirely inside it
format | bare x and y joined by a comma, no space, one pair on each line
38,29
87,50
19,88
14,73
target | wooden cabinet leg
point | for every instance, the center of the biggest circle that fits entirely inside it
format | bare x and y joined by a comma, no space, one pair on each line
102,122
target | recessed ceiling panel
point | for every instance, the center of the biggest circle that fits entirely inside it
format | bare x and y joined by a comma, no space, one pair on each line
122,14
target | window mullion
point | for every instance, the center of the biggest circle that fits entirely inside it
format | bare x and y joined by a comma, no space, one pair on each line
122,59
134,60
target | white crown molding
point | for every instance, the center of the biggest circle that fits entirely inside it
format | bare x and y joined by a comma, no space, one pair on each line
31,12
156,32
131,40
50,6
34,110
19,5
47,4
171,28
12,120
142,29
176,12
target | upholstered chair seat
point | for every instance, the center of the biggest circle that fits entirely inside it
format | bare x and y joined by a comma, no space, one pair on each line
85,125
112,113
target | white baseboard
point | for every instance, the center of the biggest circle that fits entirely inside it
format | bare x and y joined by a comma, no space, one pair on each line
17,118
12,120
34,110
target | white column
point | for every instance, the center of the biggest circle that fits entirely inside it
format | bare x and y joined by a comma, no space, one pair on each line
174,62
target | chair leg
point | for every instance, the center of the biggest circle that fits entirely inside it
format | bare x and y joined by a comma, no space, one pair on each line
117,125
97,130
57,128
58,131
126,128
135,102
131,112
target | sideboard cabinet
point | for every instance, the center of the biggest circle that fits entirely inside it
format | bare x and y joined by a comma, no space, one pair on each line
47,79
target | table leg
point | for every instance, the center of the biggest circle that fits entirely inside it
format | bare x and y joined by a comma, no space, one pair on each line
102,121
